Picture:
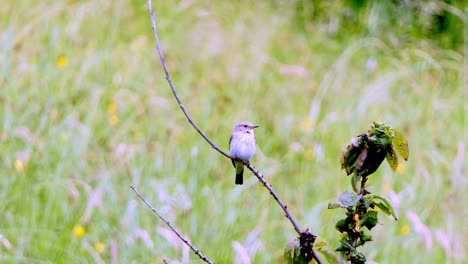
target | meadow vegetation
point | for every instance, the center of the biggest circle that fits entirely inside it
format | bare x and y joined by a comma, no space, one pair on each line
85,112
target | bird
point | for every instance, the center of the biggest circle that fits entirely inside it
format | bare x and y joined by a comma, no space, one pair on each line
242,146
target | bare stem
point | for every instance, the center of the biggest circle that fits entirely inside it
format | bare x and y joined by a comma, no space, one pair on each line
280,202
169,80
207,139
193,248
275,196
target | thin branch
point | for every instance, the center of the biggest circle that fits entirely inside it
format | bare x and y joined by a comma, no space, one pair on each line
250,167
273,193
193,248
168,78
213,145
285,208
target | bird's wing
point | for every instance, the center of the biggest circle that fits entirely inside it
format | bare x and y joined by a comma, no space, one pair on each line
233,162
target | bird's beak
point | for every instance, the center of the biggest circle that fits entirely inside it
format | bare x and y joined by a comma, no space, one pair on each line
255,126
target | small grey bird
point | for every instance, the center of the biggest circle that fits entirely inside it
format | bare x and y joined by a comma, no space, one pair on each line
242,146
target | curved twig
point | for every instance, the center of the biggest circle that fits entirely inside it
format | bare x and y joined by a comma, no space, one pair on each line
272,192
207,139
193,248
284,206
168,78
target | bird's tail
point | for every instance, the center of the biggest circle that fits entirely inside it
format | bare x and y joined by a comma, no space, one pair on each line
239,173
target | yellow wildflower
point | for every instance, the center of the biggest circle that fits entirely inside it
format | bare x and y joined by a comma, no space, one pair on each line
309,154
405,230
61,61
112,107
306,124
19,165
78,231
99,247
113,119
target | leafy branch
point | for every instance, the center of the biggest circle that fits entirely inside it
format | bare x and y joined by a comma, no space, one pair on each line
361,158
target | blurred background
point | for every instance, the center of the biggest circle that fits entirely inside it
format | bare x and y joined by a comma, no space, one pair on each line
85,112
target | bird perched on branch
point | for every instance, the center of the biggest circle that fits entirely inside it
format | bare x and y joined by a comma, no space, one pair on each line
242,146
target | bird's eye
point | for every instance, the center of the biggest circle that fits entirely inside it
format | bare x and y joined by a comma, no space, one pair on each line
245,126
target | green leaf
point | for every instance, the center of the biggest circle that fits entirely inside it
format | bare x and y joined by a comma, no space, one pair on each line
392,159
358,258
383,204
320,244
292,253
362,206
367,151
355,179
369,220
364,237
320,247
348,199
361,160
342,226
400,144
345,246
328,255
351,153
380,135
371,158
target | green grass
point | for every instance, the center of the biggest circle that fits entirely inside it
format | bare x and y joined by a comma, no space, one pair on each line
309,91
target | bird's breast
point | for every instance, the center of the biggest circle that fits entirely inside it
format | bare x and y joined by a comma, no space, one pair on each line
242,148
